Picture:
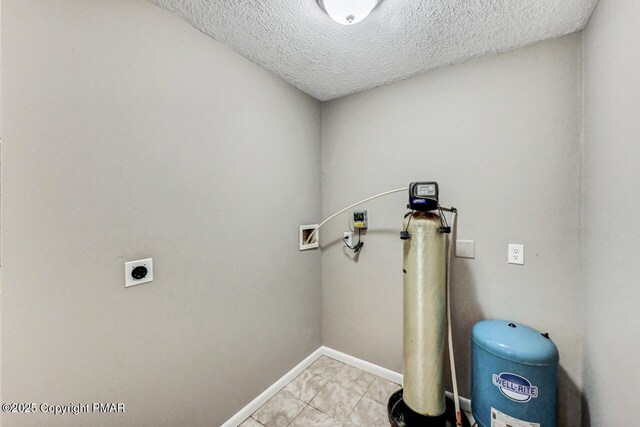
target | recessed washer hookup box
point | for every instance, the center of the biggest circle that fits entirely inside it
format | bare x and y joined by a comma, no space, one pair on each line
515,375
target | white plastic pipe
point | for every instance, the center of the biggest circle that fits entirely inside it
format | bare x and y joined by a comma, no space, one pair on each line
452,361
315,230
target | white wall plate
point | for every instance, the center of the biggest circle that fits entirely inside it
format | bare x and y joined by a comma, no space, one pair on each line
134,272
305,231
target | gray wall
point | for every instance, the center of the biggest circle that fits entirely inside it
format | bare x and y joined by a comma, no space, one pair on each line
611,221
128,134
501,135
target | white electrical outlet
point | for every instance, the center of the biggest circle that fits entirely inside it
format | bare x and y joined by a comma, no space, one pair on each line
347,237
516,254
138,272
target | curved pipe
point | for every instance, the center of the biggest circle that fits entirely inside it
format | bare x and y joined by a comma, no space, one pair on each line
315,230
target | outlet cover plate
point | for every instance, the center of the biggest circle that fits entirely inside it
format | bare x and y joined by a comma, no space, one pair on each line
516,254
349,238
465,248
130,265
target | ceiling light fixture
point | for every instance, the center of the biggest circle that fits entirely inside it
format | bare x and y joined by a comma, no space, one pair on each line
348,12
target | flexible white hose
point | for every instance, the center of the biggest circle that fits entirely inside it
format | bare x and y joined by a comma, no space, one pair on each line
452,361
315,230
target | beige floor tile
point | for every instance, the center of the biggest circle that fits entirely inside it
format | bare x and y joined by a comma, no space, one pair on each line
336,401
311,417
354,379
381,390
368,414
325,367
306,385
250,422
279,410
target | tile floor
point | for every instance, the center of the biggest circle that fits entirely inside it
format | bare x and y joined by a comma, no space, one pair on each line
327,394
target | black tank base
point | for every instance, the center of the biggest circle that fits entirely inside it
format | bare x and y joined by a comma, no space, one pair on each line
400,415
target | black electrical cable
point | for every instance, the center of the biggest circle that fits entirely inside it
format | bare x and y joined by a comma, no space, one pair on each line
409,221
442,217
404,234
444,225
357,246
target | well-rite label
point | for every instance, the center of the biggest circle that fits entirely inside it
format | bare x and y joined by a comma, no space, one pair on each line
514,387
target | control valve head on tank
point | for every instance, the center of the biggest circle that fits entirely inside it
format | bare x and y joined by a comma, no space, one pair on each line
423,196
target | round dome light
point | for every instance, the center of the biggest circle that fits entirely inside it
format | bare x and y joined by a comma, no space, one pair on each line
348,12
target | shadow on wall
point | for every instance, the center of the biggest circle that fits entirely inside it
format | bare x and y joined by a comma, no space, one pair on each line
465,312
348,253
586,414
568,391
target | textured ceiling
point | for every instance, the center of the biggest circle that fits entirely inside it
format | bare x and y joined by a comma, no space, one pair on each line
297,41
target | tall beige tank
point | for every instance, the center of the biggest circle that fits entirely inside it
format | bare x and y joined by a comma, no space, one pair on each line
425,272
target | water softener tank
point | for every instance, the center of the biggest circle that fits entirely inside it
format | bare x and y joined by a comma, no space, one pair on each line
425,275
515,375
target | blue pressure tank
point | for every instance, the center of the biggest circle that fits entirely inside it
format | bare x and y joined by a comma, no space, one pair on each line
515,375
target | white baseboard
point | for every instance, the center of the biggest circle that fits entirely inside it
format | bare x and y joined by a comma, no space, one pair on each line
379,371
264,397
387,374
